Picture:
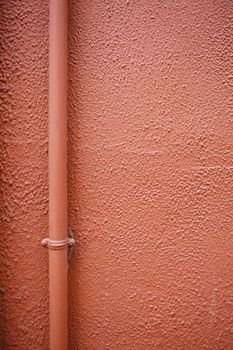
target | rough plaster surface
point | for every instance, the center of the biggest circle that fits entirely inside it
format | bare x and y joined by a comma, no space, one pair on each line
151,175
23,174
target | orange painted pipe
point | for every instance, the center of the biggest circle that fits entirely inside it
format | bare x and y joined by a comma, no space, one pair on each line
58,28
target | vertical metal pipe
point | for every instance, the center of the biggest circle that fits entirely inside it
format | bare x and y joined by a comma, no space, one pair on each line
58,28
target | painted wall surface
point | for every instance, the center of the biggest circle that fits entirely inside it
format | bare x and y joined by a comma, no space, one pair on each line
150,174
23,174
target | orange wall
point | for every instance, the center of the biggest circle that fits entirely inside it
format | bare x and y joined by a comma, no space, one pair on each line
150,175
23,174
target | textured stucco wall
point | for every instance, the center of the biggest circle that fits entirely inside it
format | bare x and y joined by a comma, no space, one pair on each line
23,174
151,175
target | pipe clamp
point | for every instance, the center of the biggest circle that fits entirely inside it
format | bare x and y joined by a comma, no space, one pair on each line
58,244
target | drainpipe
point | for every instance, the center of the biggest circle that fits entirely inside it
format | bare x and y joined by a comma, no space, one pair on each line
58,240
